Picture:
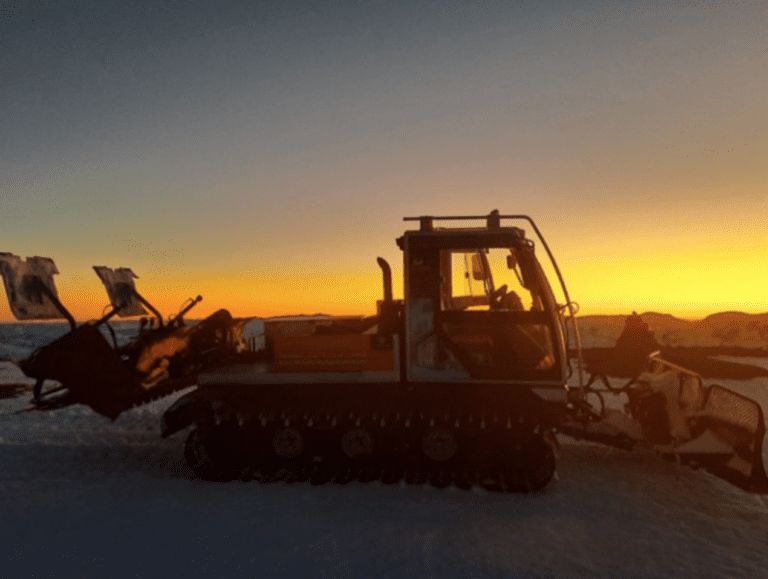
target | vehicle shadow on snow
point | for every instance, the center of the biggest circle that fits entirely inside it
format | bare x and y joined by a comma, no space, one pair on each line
607,507
35,460
580,467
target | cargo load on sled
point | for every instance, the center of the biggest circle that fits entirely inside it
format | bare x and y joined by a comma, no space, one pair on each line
668,408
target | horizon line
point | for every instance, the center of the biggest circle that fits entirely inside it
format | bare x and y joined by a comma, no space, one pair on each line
315,315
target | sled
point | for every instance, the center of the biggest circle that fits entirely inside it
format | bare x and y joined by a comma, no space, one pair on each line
87,365
669,409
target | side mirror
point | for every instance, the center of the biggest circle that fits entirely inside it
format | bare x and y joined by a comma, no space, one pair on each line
511,261
477,268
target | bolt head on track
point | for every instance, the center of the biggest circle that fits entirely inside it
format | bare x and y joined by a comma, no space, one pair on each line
439,444
288,443
357,443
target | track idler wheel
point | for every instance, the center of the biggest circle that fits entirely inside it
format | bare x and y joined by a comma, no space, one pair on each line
288,443
359,453
215,453
439,443
357,443
287,456
534,463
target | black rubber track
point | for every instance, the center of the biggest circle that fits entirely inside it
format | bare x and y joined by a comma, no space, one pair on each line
491,453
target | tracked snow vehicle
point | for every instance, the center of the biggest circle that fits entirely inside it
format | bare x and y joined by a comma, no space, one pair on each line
463,381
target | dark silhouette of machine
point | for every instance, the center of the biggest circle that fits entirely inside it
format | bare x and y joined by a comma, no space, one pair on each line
86,365
464,381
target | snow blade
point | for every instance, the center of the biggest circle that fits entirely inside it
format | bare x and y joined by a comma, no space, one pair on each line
112,380
29,287
713,428
87,367
121,290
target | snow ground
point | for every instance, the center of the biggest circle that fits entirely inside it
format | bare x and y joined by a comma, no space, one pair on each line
761,362
81,496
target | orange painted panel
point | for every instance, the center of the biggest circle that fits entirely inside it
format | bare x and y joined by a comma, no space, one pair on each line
328,353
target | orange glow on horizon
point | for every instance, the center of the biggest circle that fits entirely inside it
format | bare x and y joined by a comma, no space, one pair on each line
642,163
617,288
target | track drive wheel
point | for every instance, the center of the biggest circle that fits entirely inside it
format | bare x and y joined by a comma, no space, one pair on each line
215,453
359,455
285,454
538,463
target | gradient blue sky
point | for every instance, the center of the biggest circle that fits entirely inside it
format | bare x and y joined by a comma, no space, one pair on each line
263,154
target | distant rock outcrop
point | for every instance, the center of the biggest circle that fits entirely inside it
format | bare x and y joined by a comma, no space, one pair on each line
633,345
628,356
636,340
731,329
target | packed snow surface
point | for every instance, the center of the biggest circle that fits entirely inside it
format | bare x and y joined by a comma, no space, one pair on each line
81,496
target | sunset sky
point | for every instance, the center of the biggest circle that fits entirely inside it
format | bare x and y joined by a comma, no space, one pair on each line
263,154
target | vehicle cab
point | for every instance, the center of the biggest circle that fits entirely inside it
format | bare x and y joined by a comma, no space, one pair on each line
478,307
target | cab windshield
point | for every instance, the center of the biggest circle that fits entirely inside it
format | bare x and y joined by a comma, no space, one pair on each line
493,319
485,279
